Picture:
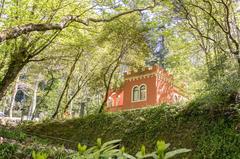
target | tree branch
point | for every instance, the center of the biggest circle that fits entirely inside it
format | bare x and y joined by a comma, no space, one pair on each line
14,32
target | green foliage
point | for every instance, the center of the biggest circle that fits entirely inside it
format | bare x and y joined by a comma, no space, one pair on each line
110,150
105,150
39,155
16,134
194,128
101,44
161,152
7,150
220,93
17,144
81,148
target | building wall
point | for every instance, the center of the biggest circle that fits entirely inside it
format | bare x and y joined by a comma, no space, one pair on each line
150,83
159,90
164,88
117,100
163,92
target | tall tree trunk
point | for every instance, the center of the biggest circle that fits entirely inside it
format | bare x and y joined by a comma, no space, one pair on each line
79,88
2,8
5,104
67,83
70,109
81,83
44,96
34,99
11,74
13,98
107,86
107,82
238,61
82,109
20,58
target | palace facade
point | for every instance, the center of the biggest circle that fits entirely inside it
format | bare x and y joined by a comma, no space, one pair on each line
149,87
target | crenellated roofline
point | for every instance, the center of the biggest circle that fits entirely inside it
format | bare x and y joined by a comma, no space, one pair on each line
147,72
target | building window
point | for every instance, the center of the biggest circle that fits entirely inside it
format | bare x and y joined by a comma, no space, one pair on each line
175,98
118,100
143,92
135,93
110,102
139,93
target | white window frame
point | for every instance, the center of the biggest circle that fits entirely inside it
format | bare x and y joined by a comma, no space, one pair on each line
110,102
145,92
139,93
118,100
132,93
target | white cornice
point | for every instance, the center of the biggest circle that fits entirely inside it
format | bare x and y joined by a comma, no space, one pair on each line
139,77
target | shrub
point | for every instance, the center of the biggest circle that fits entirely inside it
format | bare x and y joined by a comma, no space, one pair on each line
219,93
13,134
7,151
110,150
198,129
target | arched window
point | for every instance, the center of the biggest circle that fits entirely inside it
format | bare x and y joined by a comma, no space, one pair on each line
135,93
175,97
118,100
110,102
143,92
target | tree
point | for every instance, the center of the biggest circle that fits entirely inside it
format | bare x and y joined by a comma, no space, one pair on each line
66,85
215,25
31,26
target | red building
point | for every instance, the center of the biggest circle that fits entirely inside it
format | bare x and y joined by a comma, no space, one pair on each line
146,88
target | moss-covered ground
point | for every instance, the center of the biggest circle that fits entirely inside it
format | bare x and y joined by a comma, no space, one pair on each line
210,133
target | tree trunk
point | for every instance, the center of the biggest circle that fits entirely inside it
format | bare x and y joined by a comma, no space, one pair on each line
74,95
108,87
107,82
13,98
82,109
44,96
238,60
34,100
11,74
71,109
67,83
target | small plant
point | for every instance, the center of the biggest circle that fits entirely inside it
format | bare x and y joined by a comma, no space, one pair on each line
81,148
110,150
160,153
105,150
142,153
39,155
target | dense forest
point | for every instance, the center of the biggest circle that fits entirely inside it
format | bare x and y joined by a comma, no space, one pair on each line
59,59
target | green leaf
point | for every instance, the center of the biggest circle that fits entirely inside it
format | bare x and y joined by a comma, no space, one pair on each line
176,152
111,143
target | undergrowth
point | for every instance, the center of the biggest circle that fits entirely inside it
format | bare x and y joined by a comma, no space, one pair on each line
209,133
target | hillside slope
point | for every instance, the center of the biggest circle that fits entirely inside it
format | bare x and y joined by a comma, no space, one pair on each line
209,133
